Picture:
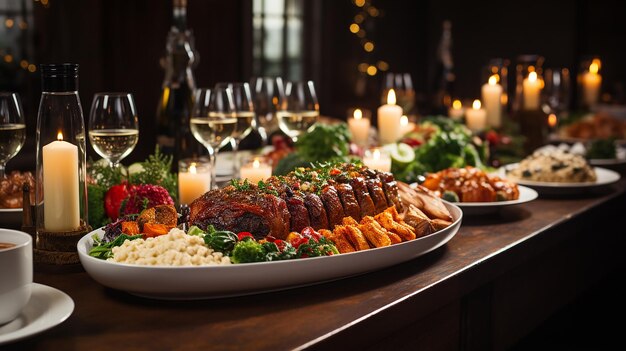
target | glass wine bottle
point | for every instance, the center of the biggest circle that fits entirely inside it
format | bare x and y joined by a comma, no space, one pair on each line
444,74
173,112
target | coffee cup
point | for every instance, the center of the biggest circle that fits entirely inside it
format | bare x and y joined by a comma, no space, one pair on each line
16,273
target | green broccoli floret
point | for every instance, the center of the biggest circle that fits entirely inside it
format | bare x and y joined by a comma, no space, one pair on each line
246,251
96,215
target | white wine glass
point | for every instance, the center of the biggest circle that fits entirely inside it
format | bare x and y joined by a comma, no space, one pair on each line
298,109
113,126
213,121
12,128
244,112
266,92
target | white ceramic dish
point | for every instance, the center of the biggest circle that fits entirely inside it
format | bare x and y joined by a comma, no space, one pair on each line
242,279
10,217
604,177
47,308
479,208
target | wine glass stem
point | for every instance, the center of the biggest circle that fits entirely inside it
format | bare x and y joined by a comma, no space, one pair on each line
213,155
235,146
1,171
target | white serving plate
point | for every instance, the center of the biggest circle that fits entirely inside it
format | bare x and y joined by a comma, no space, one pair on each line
201,282
604,177
479,208
46,308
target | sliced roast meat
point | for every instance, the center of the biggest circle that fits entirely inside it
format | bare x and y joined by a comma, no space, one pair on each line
375,187
333,206
317,212
348,201
362,195
390,187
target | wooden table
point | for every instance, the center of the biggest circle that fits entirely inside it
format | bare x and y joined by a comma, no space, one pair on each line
489,286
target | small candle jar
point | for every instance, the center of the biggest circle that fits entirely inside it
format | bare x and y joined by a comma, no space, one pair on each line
476,117
589,83
194,179
257,168
378,159
359,123
529,83
389,116
457,111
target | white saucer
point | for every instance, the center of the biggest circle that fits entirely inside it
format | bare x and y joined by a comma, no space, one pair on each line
47,308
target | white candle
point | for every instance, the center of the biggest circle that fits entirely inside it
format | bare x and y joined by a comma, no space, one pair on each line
194,183
256,170
531,89
60,186
359,127
378,159
389,120
492,94
591,84
405,125
457,111
476,117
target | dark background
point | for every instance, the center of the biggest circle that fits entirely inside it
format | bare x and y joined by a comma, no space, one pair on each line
118,44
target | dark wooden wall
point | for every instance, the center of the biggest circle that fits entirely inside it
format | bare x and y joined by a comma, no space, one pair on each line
118,44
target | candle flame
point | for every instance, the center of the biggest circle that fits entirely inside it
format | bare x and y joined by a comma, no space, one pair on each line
593,68
391,97
256,163
192,168
376,154
404,120
476,104
358,114
457,104
532,76
59,136
552,120
493,80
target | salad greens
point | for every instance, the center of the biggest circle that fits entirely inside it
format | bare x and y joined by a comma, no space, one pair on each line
324,143
450,144
104,250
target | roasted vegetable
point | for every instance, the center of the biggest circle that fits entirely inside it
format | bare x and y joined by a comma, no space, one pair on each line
156,229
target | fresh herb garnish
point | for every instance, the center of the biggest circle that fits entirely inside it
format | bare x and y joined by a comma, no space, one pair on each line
104,250
239,185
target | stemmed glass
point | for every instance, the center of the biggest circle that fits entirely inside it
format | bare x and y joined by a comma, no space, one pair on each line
298,109
213,121
12,128
113,126
244,112
266,92
402,84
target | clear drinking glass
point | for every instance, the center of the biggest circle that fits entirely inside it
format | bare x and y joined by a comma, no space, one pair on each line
244,112
402,84
113,126
213,121
298,109
12,128
266,92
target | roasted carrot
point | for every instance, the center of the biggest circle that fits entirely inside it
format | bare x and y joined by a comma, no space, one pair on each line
154,229
130,228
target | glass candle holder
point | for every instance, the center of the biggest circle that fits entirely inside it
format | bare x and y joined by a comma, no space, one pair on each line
556,93
494,93
256,168
529,83
194,179
61,191
499,67
377,158
589,82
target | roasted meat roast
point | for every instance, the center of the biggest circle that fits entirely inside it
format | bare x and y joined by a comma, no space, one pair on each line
319,198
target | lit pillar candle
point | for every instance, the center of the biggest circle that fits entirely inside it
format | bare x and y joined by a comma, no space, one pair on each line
591,81
359,127
256,170
193,183
476,117
531,87
457,111
491,94
60,186
389,120
377,158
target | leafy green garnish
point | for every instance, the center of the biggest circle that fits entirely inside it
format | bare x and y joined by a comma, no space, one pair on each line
157,170
602,149
239,185
103,250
